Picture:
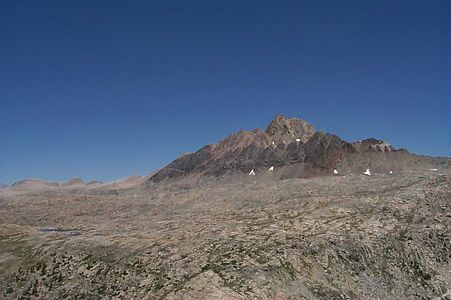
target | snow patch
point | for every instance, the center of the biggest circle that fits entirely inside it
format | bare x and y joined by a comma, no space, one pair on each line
434,170
271,169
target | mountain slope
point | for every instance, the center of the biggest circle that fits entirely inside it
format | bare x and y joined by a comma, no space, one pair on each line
290,146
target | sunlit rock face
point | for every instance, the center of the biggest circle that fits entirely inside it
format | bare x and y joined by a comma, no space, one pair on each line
287,130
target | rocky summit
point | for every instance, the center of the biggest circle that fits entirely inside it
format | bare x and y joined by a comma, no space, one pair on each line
288,147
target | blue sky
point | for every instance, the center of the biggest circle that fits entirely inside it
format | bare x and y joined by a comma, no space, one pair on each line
107,89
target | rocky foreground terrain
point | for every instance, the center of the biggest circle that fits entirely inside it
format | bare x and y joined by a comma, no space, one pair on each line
385,236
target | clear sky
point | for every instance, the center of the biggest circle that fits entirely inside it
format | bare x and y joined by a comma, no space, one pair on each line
107,89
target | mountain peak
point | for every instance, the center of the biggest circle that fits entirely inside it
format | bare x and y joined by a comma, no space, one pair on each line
290,147
282,128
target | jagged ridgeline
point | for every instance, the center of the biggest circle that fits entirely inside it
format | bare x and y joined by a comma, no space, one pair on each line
291,147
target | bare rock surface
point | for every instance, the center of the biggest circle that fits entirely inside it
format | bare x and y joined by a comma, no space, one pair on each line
289,129
294,148
385,236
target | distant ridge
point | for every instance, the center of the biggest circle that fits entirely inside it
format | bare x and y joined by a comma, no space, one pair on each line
74,182
31,185
37,184
123,183
290,147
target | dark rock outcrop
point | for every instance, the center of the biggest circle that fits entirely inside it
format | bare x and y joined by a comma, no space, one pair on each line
325,150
